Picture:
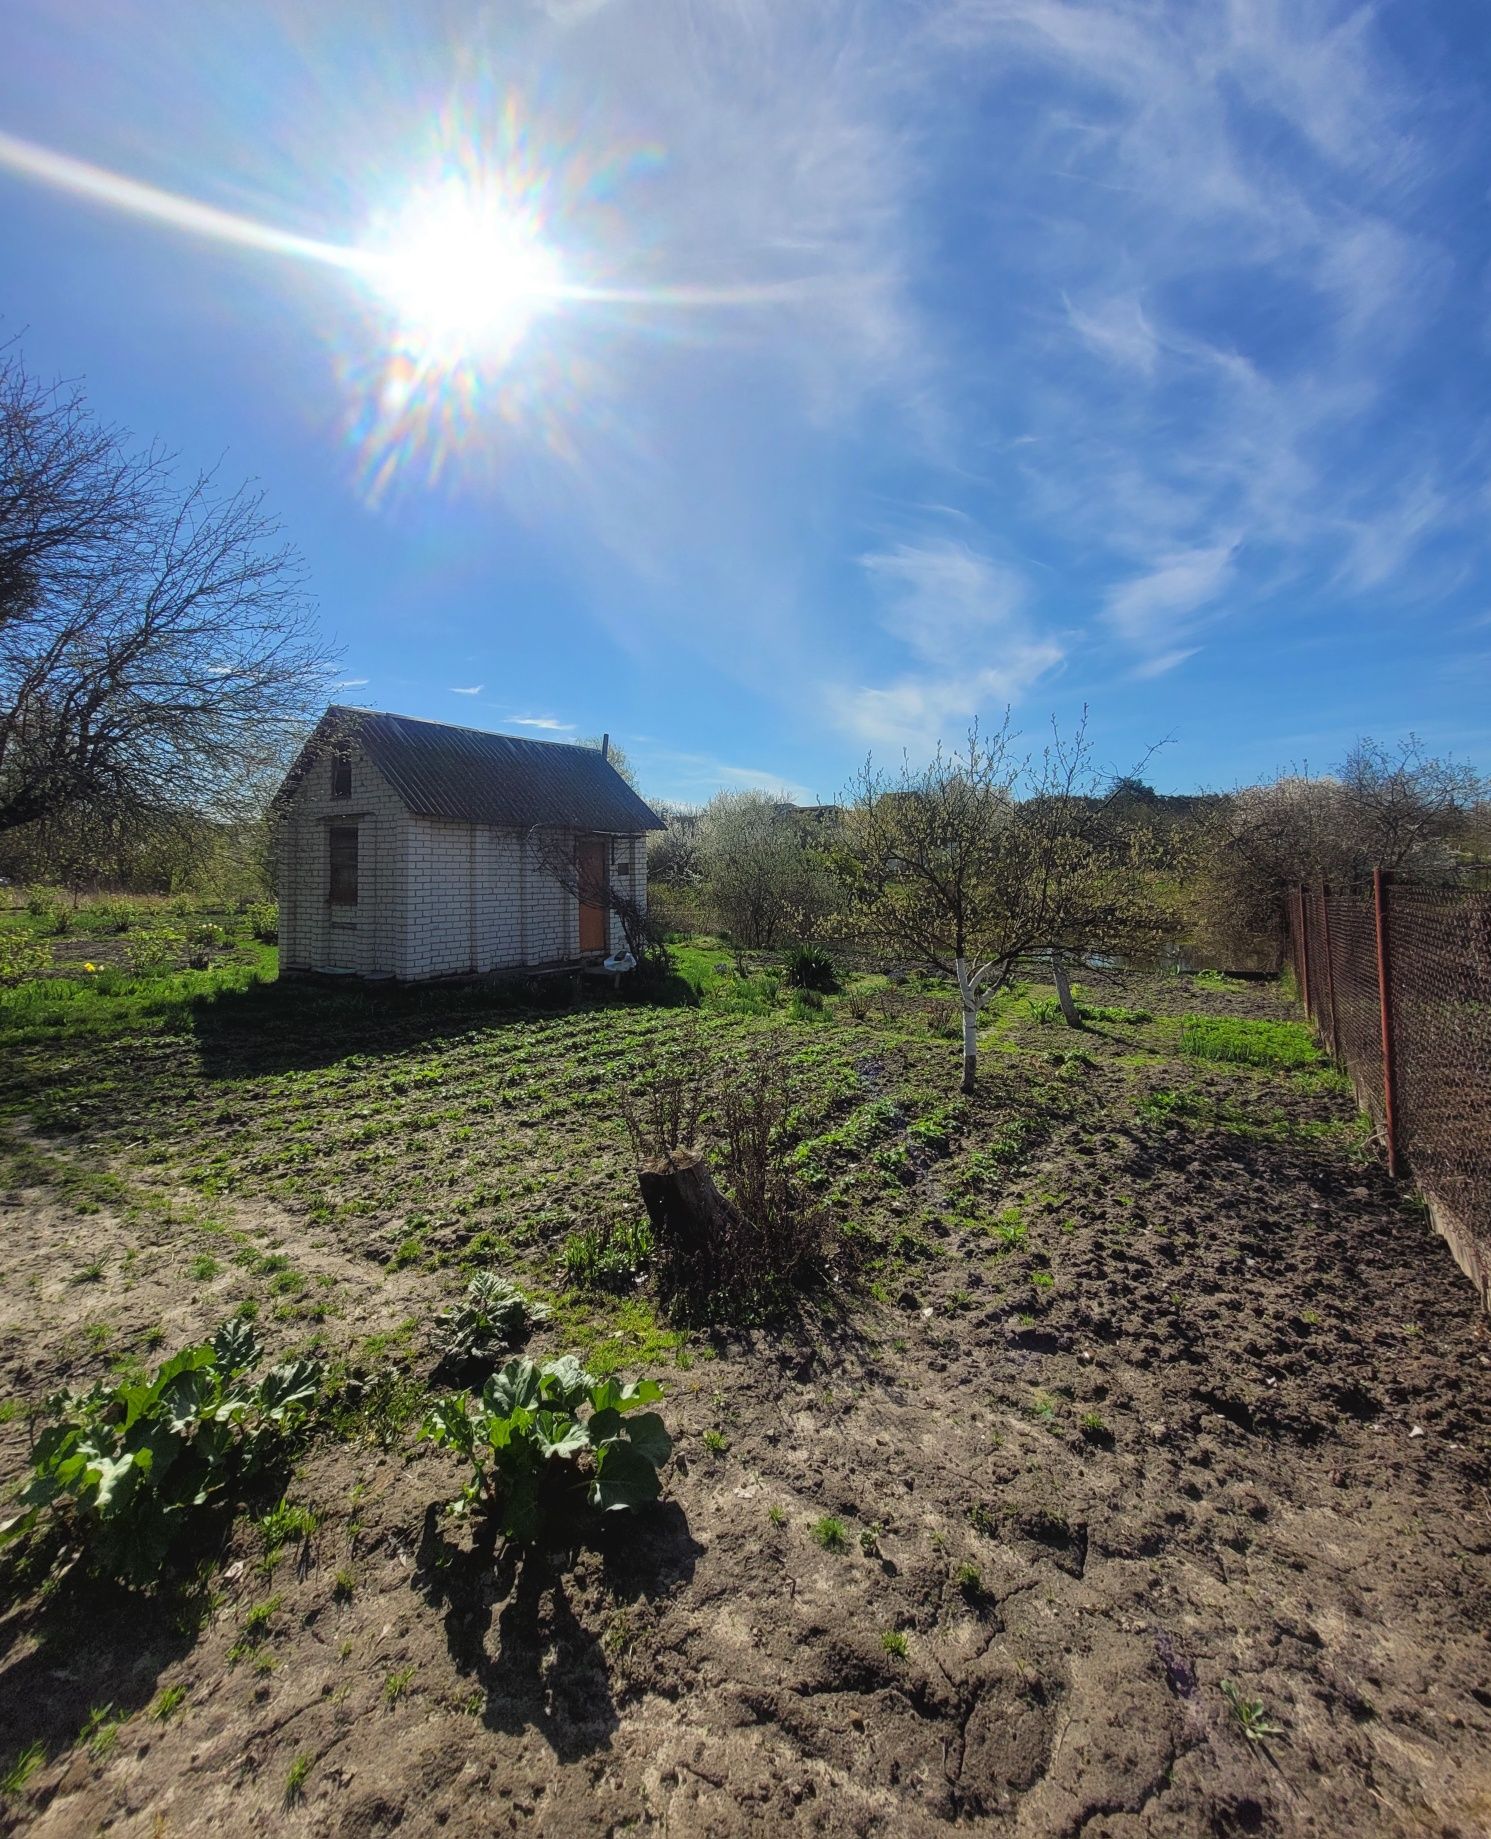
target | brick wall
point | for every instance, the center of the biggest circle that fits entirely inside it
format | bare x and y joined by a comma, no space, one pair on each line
369,938
434,899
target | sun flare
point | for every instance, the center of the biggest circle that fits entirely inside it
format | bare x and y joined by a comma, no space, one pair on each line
465,274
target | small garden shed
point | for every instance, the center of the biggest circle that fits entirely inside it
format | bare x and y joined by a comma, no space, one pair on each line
412,849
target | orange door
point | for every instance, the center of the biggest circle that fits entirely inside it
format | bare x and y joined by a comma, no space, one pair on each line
590,868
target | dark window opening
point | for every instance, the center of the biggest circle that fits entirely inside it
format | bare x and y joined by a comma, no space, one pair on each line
341,776
343,846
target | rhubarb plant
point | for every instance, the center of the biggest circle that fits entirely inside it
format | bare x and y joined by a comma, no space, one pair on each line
127,1469
544,1439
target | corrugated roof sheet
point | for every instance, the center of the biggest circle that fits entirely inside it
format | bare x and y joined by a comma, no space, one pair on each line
468,776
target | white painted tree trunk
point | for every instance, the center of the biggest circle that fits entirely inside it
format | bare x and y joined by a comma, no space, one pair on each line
1064,991
969,995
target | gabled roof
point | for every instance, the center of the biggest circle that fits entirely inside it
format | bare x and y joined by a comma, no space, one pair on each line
467,776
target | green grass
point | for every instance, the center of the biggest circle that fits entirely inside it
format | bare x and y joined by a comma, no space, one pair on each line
1248,1043
296,1779
830,1534
22,1768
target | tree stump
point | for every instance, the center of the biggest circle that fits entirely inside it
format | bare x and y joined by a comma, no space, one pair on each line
695,1228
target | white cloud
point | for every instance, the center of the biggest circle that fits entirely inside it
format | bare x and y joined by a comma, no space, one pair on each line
1150,608
1162,662
694,778
471,689
351,683
1233,260
1117,328
546,722
962,617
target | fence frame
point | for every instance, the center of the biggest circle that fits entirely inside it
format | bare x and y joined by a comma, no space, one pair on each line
1376,1075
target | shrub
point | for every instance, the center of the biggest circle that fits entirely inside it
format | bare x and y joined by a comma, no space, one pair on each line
488,1320
128,1469
721,1254
535,1460
22,955
152,949
116,915
42,903
263,920
809,967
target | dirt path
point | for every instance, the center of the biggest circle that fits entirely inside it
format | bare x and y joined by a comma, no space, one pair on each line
1241,1435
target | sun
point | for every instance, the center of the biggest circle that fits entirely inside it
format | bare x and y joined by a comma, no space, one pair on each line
464,272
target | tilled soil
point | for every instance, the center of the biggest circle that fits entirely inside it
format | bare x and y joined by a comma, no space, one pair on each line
1241,1436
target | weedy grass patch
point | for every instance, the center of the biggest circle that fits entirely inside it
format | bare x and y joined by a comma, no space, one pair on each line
1245,1042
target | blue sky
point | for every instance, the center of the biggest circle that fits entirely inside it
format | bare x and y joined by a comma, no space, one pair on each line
891,363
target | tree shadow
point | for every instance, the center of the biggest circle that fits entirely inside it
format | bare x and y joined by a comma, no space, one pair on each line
298,1023
86,1646
546,1671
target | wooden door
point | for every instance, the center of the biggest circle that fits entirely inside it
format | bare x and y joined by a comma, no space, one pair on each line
590,870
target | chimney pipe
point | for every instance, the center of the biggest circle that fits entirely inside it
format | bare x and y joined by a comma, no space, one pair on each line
605,747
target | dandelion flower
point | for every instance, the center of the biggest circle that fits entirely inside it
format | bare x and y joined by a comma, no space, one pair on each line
90,967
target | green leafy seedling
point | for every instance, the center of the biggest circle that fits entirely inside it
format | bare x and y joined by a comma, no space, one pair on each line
1251,1715
830,1534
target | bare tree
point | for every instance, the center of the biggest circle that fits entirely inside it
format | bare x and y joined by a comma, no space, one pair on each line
987,856
157,651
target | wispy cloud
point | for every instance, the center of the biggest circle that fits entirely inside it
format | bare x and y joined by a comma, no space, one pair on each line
1149,609
961,616
471,689
694,778
546,722
1237,268
351,683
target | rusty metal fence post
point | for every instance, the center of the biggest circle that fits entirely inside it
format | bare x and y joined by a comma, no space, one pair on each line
1330,970
1385,1008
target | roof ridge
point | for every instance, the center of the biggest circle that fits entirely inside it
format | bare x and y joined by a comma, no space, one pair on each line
429,721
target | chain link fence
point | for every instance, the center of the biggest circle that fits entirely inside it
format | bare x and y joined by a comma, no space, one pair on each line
1396,977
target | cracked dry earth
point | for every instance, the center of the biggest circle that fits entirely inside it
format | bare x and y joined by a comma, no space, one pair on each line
1242,1437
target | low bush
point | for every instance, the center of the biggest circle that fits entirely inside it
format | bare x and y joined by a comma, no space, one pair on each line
115,915
809,967
126,1470
732,1250
42,903
153,948
262,918
490,1319
544,1441
22,955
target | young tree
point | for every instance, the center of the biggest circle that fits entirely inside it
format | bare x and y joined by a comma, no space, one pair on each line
157,652
987,856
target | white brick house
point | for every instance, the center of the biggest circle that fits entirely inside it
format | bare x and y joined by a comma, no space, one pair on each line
412,849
